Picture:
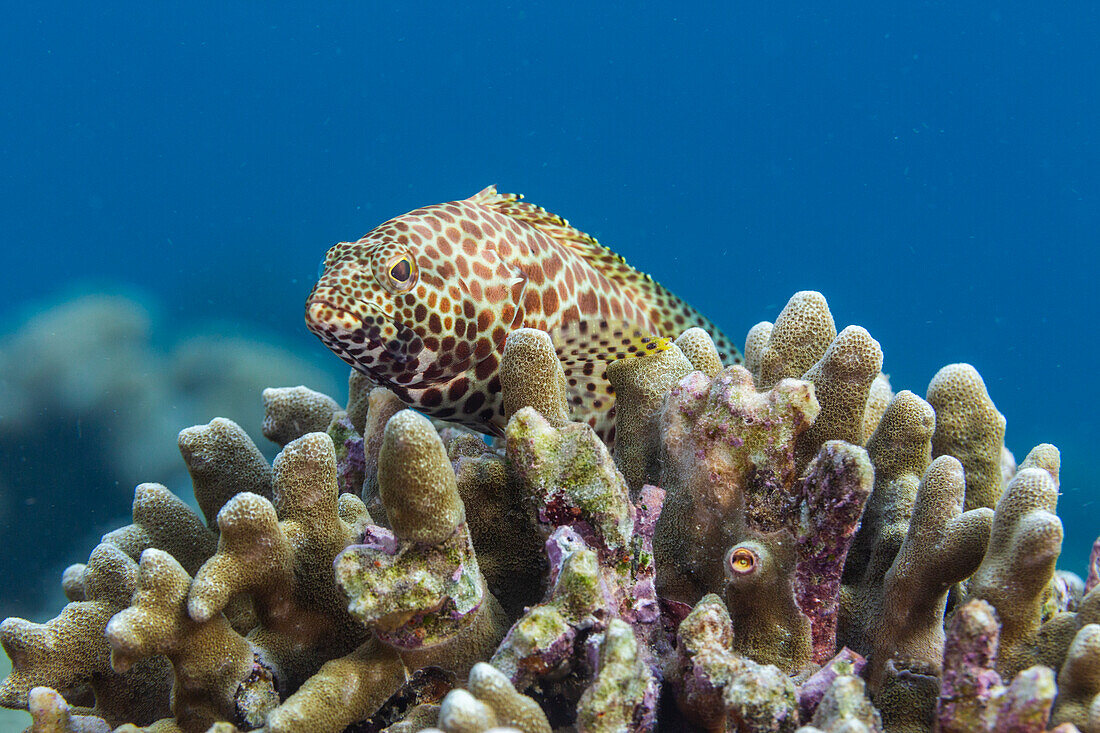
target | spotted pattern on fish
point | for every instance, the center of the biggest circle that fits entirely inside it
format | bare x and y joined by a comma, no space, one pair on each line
423,303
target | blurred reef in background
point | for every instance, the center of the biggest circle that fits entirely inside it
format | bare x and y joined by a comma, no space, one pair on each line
93,388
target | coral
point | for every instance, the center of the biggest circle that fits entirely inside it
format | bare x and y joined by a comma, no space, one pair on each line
302,615
751,437
532,376
697,346
842,381
491,701
70,652
213,664
223,462
51,714
900,614
382,405
1079,682
291,412
969,428
845,708
640,386
972,697
811,691
729,468
418,585
508,545
718,689
769,547
624,694
1017,569
796,341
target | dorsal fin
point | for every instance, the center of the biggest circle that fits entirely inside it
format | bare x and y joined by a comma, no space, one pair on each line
671,313
557,228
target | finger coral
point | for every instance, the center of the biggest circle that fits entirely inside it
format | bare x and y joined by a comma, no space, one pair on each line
785,546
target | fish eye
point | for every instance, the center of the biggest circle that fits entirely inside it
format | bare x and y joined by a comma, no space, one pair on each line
401,270
402,273
742,561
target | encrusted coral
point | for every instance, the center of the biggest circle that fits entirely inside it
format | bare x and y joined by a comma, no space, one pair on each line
785,546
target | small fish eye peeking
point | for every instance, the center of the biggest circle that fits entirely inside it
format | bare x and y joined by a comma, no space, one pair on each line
742,561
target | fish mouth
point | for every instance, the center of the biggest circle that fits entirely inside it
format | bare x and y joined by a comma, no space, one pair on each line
357,335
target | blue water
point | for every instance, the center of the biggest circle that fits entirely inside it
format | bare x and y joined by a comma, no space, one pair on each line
931,168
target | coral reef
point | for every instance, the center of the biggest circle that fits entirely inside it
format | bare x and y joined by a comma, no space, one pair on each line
785,546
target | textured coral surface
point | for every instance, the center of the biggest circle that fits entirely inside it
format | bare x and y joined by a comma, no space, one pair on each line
784,546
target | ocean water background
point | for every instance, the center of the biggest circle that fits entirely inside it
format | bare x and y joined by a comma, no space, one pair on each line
931,167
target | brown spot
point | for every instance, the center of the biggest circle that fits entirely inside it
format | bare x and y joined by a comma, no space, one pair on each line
463,267
431,343
434,323
486,367
421,312
462,350
493,385
495,293
484,348
553,265
470,228
550,300
535,274
469,246
401,226
531,302
484,320
481,270
473,403
468,309
433,223
587,302
457,389
448,343
453,234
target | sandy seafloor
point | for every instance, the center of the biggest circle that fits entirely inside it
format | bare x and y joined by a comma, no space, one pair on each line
931,168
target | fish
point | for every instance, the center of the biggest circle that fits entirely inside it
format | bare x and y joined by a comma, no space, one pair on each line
423,303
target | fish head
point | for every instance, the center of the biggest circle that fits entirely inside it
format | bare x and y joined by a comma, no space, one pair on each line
420,299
